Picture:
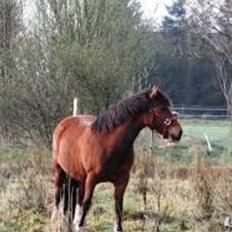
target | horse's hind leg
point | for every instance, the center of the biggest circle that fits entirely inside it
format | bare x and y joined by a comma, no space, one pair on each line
66,195
77,205
73,201
59,180
70,197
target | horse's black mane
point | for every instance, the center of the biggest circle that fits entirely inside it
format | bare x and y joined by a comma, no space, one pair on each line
127,108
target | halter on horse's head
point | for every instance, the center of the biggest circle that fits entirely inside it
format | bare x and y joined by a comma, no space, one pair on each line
160,117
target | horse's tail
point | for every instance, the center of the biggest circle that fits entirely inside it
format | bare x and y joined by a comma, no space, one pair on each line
67,186
59,179
56,141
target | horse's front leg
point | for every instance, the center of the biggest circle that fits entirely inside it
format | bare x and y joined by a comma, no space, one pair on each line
120,187
85,196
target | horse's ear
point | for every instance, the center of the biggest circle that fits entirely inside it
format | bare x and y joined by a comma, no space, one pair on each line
153,91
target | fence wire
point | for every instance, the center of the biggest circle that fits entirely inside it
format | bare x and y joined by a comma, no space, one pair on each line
202,113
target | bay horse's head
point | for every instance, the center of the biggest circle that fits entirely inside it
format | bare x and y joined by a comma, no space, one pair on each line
160,117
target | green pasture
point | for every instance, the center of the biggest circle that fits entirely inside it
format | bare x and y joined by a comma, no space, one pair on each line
193,141
218,131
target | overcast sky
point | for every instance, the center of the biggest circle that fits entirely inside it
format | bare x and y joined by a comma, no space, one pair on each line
153,9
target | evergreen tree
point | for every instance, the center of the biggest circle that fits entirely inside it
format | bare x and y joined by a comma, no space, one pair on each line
174,27
187,79
177,76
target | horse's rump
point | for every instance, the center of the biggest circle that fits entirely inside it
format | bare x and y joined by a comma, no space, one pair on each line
67,132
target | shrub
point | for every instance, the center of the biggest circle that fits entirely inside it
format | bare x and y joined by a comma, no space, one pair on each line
204,183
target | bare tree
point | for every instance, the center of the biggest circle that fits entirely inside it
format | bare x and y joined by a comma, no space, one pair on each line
5,33
10,26
85,47
212,22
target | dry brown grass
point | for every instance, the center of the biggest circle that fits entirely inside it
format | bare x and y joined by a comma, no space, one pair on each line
161,196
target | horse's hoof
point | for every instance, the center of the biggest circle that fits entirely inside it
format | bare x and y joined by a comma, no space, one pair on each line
78,228
54,215
117,228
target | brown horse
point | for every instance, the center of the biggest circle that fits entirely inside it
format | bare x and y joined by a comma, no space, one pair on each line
89,150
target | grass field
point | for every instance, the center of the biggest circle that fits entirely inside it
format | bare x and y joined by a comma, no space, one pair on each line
220,137
186,189
219,132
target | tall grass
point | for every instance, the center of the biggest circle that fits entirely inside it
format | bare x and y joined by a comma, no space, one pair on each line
161,196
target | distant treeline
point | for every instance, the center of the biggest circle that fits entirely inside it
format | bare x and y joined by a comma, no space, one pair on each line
101,51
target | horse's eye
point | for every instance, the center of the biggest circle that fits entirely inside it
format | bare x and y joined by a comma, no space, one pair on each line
175,114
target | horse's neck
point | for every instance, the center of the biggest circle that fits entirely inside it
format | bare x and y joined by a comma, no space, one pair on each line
125,134
132,132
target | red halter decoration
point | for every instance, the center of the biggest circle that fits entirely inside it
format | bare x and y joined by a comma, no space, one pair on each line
165,124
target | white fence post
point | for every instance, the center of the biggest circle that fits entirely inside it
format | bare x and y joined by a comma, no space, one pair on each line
75,106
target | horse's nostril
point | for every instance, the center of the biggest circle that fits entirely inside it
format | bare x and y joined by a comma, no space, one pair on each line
177,137
180,134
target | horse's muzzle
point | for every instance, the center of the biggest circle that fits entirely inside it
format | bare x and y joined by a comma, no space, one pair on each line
176,136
